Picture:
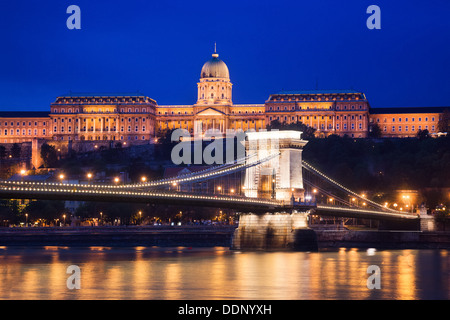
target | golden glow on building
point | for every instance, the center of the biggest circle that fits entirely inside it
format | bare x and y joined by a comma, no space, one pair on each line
137,118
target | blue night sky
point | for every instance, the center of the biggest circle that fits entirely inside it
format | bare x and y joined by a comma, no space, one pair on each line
159,47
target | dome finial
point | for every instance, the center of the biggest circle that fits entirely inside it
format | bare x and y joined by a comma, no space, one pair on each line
215,54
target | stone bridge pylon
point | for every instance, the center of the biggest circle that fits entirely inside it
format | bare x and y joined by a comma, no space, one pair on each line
281,177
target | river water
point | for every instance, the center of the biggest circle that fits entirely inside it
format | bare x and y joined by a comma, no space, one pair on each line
219,273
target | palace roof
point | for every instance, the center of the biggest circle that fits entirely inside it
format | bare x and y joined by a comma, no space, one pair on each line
24,114
403,110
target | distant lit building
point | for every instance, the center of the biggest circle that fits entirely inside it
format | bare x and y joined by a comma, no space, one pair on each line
406,122
132,118
344,112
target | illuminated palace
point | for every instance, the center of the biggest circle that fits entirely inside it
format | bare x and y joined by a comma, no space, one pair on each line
138,118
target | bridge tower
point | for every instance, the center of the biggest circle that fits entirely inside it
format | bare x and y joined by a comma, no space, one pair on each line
281,177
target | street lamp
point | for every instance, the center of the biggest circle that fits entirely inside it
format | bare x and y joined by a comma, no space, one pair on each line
26,219
143,179
22,173
61,177
116,179
64,216
140,217
101,218
89,176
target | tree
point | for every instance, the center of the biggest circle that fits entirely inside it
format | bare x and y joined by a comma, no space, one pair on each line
374,131
2,152
16,150
308,132
47,210
444,122
49,155
423,134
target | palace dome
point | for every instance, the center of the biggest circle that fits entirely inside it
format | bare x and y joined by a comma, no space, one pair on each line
215,68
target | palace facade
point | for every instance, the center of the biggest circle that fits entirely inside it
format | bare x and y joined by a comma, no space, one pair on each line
136,117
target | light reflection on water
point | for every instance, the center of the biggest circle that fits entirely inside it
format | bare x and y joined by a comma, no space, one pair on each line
218,273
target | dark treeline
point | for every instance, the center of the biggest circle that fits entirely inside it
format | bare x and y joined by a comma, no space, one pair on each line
383,165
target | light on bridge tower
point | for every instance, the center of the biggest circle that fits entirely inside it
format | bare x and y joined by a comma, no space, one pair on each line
281,177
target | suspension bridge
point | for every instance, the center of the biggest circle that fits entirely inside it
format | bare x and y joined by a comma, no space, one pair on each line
274,177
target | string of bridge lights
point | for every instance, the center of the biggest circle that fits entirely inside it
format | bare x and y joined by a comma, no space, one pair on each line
210,173
310,167
219,198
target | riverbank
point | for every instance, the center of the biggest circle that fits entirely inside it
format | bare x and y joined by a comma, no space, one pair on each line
209,236
382,239
127,236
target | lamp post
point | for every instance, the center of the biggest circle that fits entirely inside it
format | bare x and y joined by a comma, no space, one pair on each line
26,219
101,218
22,174
89,176
64,216
140,217
143,179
